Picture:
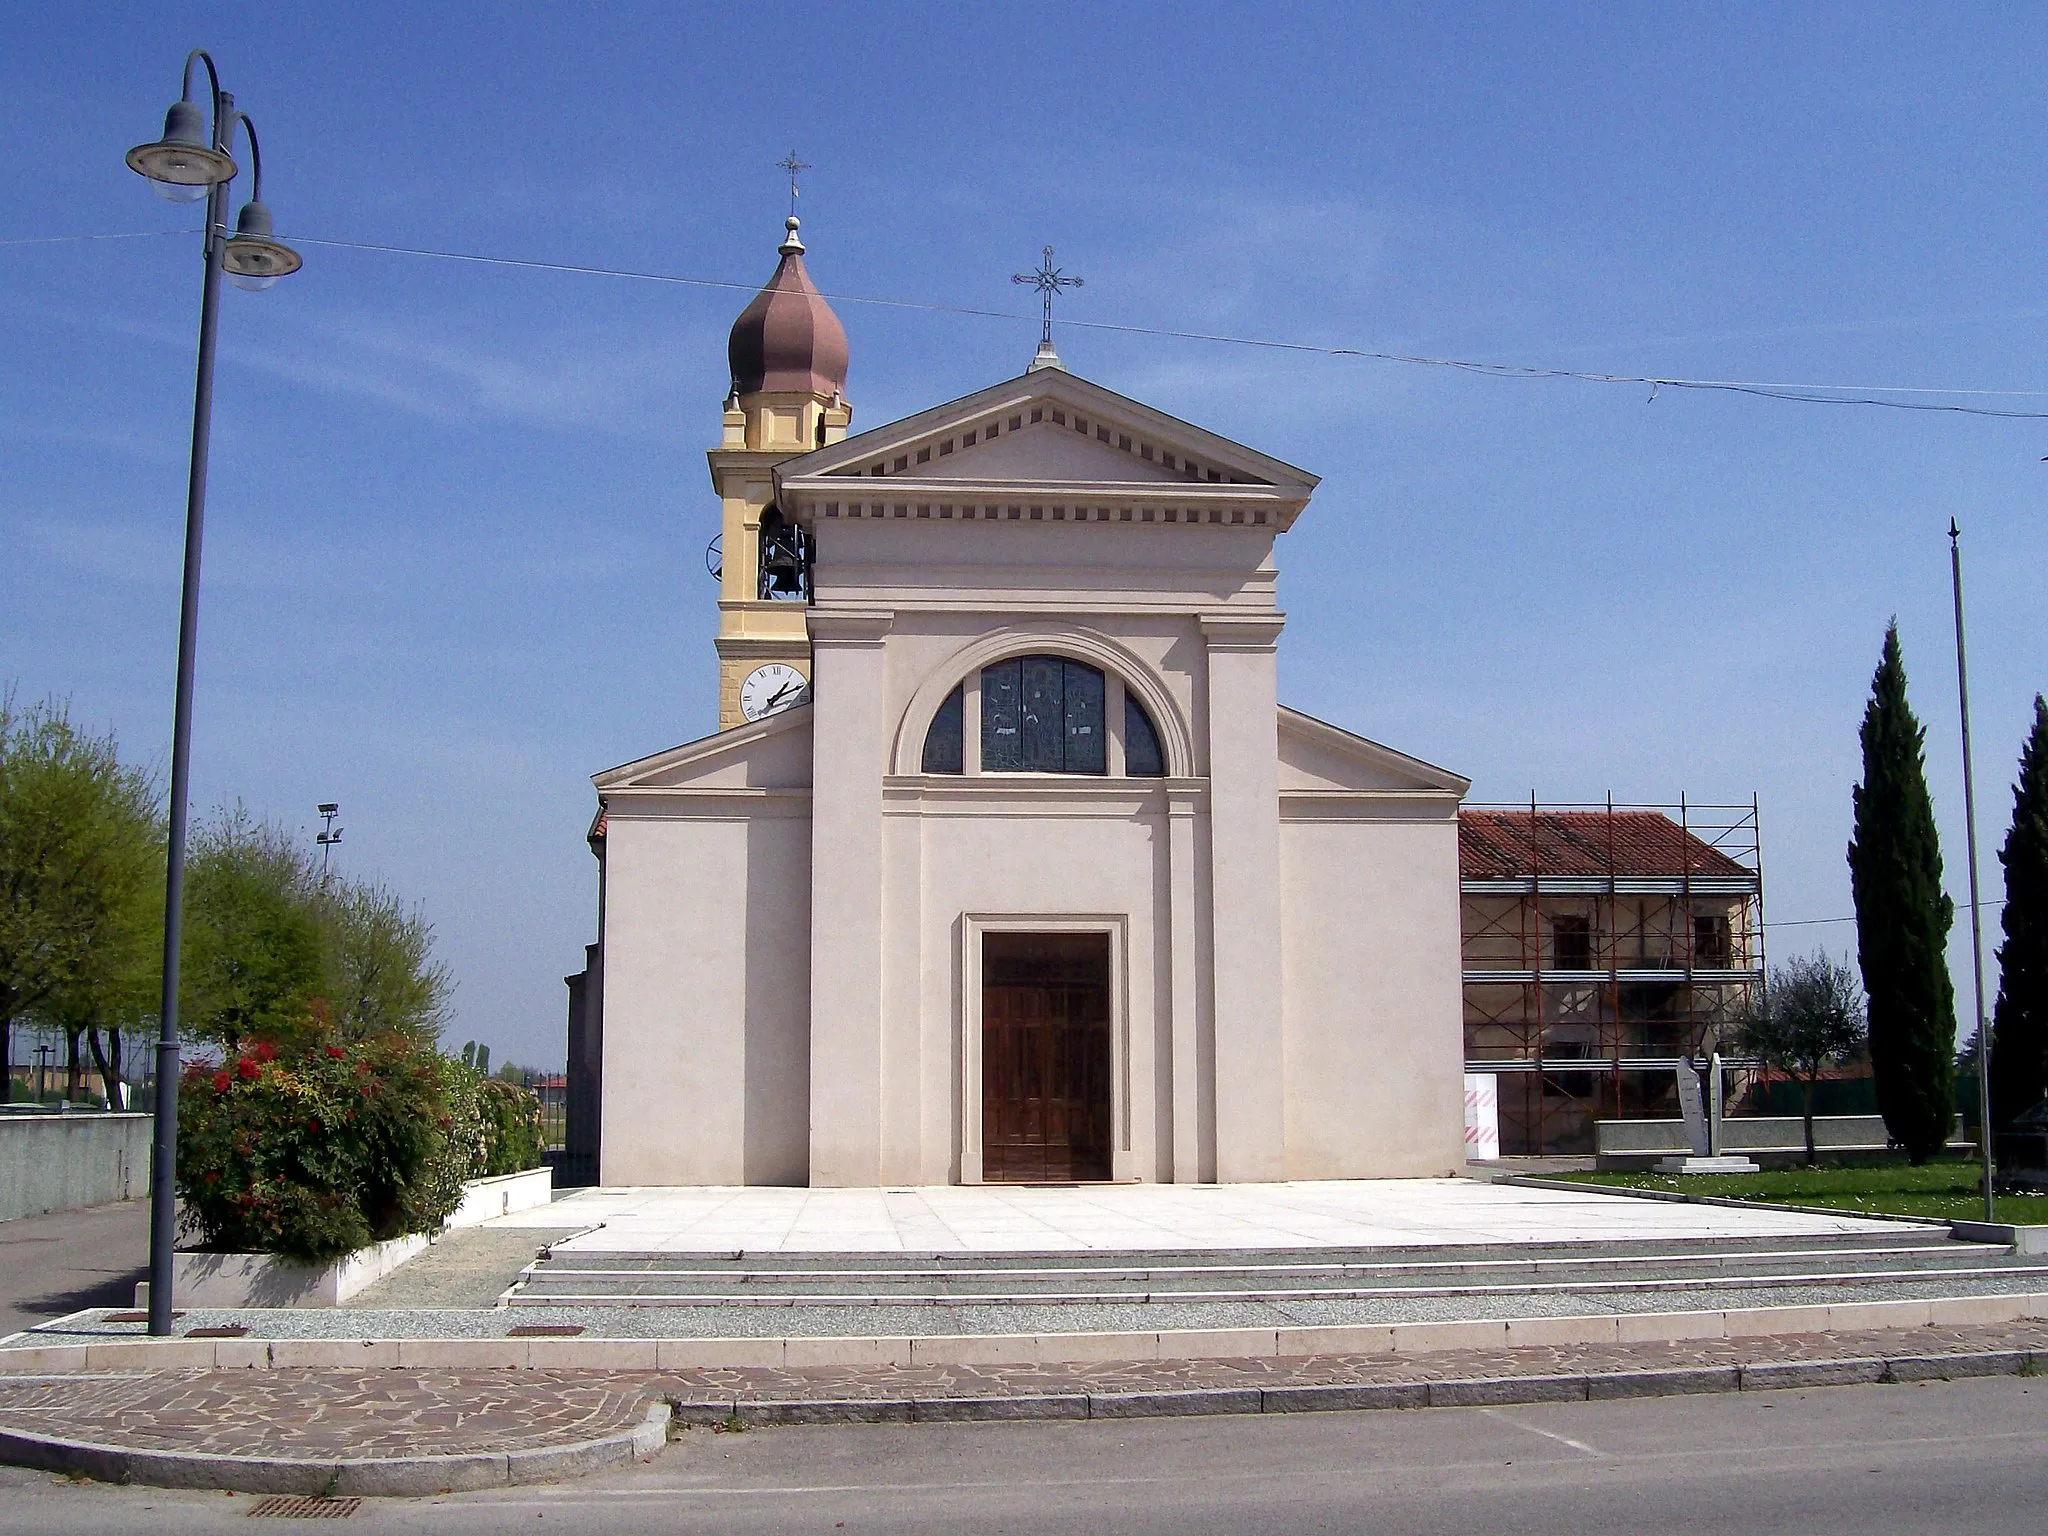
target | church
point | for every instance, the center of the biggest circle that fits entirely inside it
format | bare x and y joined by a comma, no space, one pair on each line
1006,863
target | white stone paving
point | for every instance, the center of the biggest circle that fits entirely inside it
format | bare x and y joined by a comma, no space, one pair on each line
1363,1213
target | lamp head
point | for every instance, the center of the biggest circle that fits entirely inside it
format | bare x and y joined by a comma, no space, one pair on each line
253,257
182,166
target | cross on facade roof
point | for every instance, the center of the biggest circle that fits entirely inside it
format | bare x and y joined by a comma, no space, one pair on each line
1048,281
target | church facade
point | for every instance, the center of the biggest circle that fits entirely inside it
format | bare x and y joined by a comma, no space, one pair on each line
1006,862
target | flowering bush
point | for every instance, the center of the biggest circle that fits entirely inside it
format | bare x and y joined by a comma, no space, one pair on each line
512,1131
313,1154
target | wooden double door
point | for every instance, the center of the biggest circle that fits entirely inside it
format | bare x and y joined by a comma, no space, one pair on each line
1046,1057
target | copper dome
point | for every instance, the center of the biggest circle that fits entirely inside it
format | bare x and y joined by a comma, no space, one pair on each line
788,340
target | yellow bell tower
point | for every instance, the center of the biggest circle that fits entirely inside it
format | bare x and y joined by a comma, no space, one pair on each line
788,357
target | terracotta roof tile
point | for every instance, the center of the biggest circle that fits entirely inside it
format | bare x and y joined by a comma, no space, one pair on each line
1496,845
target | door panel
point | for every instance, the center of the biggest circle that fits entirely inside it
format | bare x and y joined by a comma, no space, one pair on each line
1046,1056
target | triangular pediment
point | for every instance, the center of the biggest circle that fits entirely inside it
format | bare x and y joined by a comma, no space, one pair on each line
774,753
1045,432
1316,756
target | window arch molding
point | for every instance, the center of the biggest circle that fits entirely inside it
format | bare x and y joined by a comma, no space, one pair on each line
1098,650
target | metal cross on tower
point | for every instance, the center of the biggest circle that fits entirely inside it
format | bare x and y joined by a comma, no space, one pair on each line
1048,281
793,166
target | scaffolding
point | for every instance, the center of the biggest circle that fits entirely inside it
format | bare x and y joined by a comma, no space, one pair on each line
1605,945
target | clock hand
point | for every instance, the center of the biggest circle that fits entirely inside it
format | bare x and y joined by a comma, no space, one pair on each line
779,694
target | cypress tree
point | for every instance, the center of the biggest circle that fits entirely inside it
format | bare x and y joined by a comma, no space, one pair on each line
1903,919
2019,1033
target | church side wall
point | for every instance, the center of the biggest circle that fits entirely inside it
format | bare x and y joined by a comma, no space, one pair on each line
1374,1039
707,995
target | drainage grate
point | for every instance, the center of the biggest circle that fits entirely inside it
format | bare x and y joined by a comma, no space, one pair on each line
300,1506
224,1331
134,1317
544,1331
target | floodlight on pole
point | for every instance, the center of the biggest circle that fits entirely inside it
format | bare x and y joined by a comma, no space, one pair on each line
328,836
190,161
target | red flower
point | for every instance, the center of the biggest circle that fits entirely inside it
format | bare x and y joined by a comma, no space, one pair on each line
220,1082
336,1052
246,1070
265,1051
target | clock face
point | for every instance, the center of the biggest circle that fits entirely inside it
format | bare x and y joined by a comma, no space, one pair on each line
774,686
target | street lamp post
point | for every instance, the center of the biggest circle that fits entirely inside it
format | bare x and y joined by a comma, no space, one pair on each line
192,160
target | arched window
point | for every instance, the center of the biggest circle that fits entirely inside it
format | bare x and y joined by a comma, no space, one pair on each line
944,747
1142,757
1042,714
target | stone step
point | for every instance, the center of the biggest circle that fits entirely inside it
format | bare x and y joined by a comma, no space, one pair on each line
653,1291
1918,1240
606,1274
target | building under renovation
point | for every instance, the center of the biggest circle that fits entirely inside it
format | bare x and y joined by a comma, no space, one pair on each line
1603,946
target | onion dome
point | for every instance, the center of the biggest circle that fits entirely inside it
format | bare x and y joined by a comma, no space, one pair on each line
788,340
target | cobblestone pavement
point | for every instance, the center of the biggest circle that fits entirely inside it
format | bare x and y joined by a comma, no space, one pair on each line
316,1414
854,1382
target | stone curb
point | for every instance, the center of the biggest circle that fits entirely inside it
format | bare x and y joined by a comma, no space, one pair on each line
724,1413
799,1352
375,1477
417,1476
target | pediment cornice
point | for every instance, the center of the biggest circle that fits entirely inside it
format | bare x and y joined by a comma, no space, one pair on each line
1045,440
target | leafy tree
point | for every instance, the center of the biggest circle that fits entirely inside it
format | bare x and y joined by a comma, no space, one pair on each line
80,850
1903,919
381,974
254,959
2019,1036
1809,1019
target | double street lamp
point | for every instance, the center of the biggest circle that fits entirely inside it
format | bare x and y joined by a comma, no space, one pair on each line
194,160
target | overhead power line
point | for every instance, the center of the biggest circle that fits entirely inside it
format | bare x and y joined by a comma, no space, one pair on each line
139,234
1894,397
1815,922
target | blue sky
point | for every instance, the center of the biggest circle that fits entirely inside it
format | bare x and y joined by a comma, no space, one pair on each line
454,546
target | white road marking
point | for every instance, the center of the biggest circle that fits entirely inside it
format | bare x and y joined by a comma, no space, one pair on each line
1548,1434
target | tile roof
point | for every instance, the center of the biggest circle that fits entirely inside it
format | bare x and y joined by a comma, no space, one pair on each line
1495,845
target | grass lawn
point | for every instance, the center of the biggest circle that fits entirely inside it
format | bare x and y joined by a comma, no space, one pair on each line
1949,1188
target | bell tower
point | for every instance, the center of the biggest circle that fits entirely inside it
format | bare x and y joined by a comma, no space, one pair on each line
788,357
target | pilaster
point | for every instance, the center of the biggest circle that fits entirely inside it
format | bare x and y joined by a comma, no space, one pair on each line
850,739
1244,840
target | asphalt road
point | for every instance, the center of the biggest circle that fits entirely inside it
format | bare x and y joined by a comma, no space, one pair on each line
51,1265
1965,1457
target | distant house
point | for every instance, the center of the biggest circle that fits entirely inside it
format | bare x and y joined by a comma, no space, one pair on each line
1602,947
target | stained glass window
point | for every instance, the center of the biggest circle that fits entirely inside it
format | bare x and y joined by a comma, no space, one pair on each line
1142,757
1042,714
944,749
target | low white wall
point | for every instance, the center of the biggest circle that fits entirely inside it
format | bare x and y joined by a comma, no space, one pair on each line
265,1280
487,1199
1750,1133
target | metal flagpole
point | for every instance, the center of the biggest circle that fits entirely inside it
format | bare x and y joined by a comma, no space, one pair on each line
1955,560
